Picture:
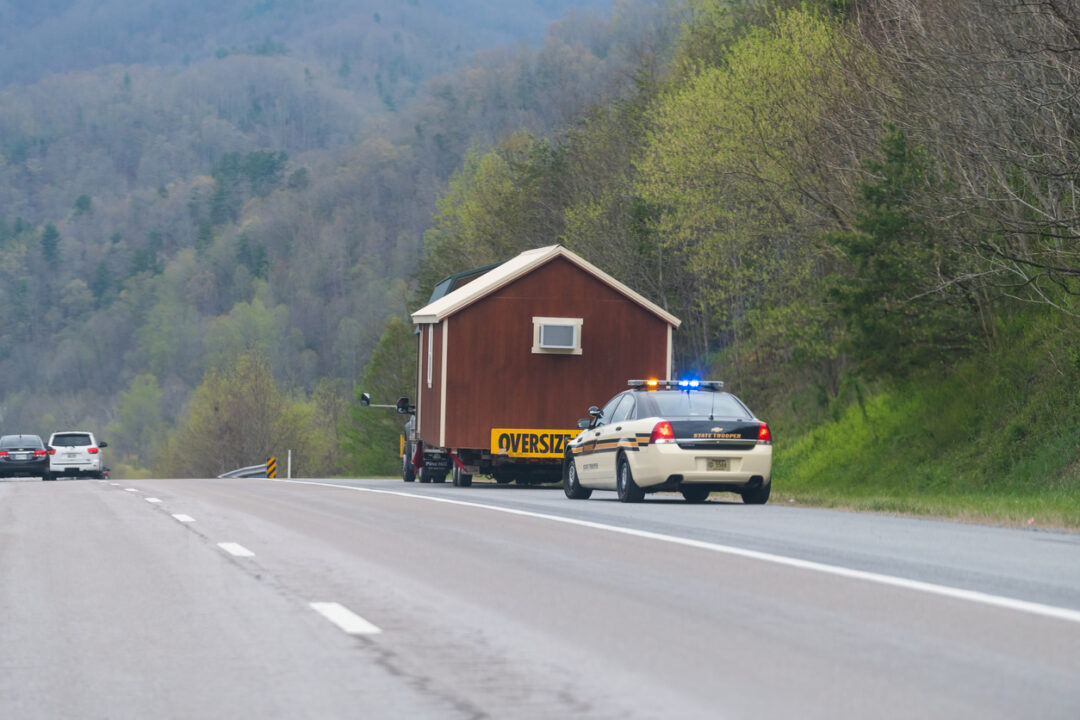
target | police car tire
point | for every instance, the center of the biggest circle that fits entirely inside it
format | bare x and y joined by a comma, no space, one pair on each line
627,489
757,496
571,486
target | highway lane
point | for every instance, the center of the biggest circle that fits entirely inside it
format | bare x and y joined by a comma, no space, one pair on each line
121,610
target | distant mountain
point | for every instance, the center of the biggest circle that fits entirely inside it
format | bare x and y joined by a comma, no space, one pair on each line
43,37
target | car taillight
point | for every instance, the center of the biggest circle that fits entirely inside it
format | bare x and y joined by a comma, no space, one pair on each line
39,453
662,433
3,453
52,451
92,450
763,434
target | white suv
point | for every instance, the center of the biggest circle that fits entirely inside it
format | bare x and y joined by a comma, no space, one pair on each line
76,454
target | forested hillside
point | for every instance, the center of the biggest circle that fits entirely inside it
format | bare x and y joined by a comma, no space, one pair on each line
160,220
863,211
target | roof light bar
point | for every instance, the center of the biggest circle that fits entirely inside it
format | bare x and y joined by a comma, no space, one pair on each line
653,384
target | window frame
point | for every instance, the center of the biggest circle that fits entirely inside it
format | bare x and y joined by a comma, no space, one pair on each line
540,322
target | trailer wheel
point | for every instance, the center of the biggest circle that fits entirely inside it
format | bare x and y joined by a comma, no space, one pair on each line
462,479
408,472
425,475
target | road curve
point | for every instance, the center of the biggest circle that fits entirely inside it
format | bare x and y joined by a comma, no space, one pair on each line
256,598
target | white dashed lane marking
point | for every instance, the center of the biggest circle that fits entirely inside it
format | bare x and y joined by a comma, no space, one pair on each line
236,549
345,619
152,500
184,518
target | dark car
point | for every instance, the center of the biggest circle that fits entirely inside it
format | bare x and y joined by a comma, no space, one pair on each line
23,455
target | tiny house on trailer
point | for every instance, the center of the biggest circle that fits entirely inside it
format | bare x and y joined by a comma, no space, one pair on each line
510,359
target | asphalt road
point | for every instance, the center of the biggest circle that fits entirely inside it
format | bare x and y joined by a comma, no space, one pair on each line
376,599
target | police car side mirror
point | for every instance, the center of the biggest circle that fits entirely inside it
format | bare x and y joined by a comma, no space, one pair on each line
365,399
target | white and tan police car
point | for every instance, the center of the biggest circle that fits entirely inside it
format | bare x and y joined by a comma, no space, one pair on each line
666,435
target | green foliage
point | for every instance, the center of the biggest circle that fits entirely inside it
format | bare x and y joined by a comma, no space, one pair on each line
248,327
898,316
995,437
729,162
370,435
139,424
238,417
50,244
83,205
498,204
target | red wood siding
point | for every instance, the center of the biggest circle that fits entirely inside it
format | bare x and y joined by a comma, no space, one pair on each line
495,380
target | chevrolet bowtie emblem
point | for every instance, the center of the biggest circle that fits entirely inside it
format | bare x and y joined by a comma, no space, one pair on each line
717,430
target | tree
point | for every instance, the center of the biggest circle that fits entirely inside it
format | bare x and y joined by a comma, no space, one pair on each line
898,296
237,417
138,429
50,244
370,435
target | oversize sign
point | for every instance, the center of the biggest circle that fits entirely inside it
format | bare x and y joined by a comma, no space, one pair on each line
531,443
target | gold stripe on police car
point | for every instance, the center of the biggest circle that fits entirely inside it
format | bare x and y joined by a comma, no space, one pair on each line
530,443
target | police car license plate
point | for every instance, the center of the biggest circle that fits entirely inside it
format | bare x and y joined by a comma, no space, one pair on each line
718,464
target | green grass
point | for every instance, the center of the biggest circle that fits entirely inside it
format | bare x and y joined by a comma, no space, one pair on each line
994,438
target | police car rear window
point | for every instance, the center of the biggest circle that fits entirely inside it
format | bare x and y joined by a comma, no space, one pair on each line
703,404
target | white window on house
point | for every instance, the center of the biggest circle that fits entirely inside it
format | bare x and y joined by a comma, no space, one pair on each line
557,335
430,351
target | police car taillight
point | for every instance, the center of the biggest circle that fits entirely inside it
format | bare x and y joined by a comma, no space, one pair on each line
662,432
763,434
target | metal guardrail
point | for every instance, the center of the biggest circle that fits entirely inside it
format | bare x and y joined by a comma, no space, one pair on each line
251,471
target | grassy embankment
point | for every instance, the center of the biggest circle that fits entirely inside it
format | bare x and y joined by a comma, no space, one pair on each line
994,438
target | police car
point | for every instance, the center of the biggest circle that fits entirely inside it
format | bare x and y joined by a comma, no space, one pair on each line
665,435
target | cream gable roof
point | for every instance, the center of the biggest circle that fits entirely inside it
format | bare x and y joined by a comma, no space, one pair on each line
516,267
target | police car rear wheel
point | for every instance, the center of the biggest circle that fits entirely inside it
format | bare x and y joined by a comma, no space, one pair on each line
757,496
627,489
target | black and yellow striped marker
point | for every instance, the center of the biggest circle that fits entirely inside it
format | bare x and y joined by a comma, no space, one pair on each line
271,467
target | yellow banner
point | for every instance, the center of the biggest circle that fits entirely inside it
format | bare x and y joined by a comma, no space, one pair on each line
531,443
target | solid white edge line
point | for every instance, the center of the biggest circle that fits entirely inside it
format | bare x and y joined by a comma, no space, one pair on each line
345,619
974,596
184,518
236,549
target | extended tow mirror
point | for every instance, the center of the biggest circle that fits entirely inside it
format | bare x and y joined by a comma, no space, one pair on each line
103,444
583,423
365,399
403,406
